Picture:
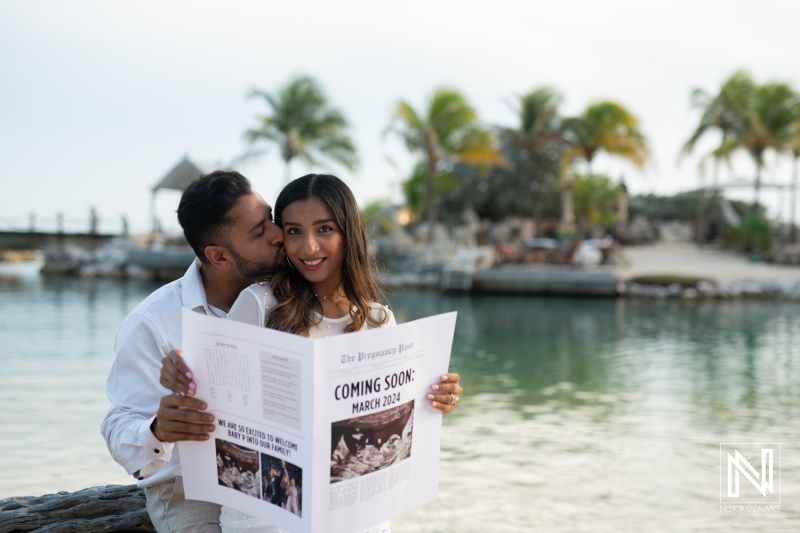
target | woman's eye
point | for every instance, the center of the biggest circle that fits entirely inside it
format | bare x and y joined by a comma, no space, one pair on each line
324,229
292,231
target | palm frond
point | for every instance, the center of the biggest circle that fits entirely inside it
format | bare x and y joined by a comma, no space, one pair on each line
303,124
607,126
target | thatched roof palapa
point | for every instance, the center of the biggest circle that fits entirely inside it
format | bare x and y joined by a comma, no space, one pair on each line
178,179
183,174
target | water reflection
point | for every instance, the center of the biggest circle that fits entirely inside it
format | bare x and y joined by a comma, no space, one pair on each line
603,415
56,347
736,354
581,414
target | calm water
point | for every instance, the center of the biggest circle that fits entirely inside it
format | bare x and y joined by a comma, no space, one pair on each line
582,415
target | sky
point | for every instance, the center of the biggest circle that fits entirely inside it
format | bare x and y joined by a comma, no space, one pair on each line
99,100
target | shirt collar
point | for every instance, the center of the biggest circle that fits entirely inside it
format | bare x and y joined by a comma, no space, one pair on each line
193,294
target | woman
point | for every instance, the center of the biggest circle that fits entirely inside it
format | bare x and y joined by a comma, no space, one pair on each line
292,502
327,290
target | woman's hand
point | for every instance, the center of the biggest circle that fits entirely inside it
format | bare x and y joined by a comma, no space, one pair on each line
447,393
175,375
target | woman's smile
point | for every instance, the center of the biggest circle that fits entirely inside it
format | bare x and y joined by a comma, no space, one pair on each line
312,264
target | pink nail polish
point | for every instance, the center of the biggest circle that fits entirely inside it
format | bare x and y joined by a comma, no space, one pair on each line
430,396
444,377
189,375
433,404
435,387
192,385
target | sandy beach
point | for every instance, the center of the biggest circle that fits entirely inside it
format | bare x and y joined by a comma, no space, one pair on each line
689,260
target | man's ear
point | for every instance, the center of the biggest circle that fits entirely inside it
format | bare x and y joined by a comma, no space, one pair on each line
218,256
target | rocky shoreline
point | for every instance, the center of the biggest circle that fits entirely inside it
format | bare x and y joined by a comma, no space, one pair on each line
706,290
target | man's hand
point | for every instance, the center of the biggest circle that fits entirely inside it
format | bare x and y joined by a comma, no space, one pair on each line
175,375
181,418
447,393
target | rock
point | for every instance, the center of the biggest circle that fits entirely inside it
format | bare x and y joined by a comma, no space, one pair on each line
641,230
113,508
673,289
706,288
66,262
764,290
675,231
689,293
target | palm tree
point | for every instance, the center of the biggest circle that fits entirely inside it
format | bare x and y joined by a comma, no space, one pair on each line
538,138
609,127
722,113
448,130
606,126
776,108
304,126
794,147
767,122
596,200
415,188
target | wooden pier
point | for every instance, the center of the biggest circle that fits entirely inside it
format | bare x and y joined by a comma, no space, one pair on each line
38,240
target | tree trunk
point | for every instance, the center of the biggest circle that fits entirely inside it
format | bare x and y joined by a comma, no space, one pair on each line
287,176
431,196
567,224
714,211
702,208
113,508
793,217
536,191
567,210
757,185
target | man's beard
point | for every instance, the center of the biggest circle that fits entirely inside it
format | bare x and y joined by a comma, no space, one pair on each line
256,270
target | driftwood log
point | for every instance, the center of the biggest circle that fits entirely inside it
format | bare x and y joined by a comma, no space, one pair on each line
113,508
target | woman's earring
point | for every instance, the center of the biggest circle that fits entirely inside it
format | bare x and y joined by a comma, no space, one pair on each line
290,263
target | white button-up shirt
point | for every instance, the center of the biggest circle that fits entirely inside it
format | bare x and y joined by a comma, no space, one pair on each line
145,337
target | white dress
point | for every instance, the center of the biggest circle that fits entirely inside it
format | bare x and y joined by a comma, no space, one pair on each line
252,307
291,502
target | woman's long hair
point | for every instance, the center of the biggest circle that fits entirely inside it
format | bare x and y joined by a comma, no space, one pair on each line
294,311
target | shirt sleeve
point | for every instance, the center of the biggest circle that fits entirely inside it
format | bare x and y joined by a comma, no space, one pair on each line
135,393
378,311
391,321
252,305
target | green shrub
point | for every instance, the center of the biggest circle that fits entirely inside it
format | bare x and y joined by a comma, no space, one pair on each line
752,235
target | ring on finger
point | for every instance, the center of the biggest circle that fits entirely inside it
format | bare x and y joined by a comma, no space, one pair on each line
453,399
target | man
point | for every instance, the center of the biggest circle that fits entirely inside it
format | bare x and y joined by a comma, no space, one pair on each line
230,229
275,487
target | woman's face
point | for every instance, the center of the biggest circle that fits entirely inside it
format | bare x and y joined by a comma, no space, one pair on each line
314,243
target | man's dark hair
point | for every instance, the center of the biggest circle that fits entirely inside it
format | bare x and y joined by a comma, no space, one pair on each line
204,206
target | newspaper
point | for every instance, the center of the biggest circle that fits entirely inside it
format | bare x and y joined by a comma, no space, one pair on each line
330,435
